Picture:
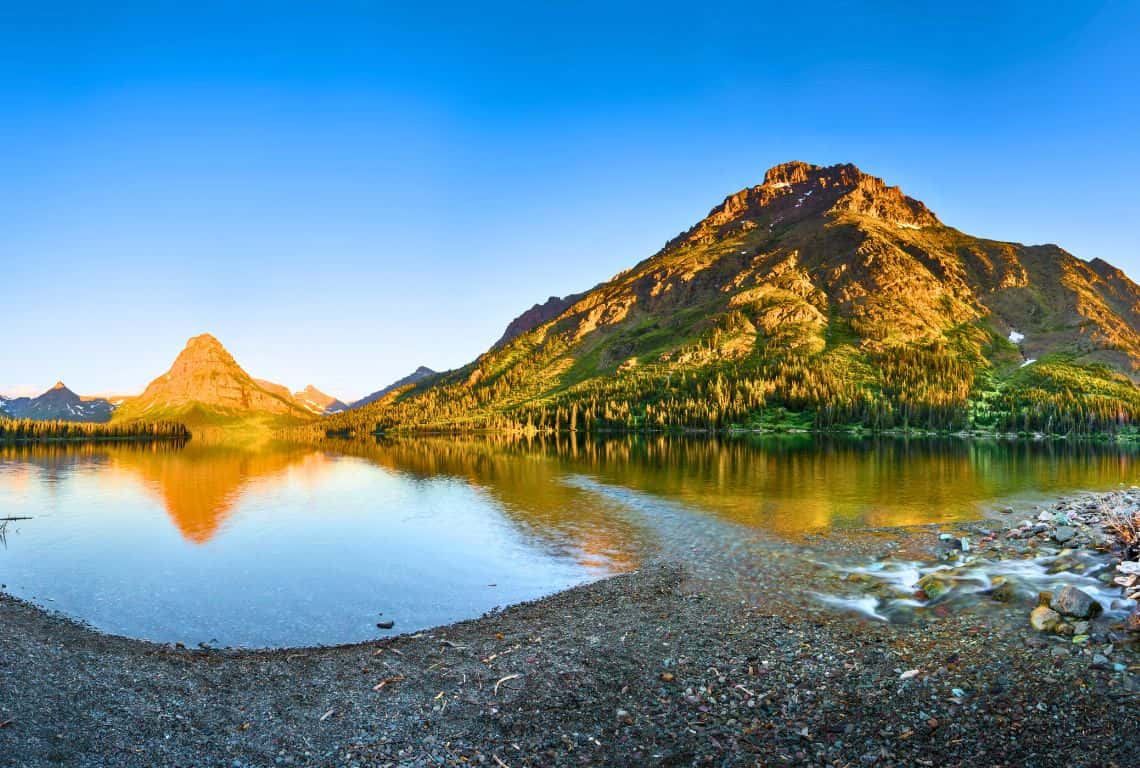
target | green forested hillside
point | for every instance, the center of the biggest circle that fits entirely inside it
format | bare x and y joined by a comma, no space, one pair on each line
820,298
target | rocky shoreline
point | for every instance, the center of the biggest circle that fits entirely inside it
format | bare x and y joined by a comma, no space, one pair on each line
665,666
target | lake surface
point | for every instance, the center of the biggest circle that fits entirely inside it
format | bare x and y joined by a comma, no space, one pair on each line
297,545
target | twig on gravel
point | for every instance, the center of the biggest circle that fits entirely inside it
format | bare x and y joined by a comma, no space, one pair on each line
500,762
326,715
389,680
503,680
7,722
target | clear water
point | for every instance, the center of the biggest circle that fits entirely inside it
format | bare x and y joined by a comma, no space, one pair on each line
296,545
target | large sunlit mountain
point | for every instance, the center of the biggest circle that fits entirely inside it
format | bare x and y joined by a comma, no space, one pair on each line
823,296
57,404
206,386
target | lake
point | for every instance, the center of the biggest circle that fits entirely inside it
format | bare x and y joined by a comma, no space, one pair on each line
279,544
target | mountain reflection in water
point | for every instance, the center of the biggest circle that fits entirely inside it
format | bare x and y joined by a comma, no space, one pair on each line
287,544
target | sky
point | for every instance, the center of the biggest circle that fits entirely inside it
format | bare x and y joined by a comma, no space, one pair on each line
343,191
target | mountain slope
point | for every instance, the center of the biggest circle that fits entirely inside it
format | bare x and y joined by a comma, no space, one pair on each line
825,292
58,404
205,386
536,316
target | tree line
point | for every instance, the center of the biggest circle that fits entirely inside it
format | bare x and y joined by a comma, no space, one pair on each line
30,430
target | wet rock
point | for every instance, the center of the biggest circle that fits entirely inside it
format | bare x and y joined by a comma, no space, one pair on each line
933,586
386,624
1003,591
1099,661
1071,601
1063,533
1044,619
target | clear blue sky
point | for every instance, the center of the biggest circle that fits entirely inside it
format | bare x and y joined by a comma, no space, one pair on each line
343,191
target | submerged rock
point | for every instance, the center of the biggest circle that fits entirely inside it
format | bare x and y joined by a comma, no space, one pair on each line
1073,602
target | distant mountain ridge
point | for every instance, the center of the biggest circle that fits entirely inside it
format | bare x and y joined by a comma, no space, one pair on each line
318,402
416,376
822,291
57,404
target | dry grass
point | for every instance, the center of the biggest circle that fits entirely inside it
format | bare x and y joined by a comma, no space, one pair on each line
1125,523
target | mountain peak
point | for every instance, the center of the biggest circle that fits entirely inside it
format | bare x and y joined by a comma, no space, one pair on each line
205,375
204,340
796,191
59,385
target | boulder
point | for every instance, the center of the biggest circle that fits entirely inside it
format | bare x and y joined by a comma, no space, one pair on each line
1044,619
1071,601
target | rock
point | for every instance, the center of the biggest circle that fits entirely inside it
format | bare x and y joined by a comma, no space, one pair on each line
1071,601
933,586
1129,566
387,624
1063,533
1044,598
1044,619
1003,591
1064,629
1081,628
1006,510
1132,623
1099,661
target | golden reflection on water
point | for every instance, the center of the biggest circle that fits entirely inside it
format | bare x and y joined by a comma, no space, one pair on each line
787,485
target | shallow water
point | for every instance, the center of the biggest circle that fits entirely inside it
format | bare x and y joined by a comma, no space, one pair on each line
291,545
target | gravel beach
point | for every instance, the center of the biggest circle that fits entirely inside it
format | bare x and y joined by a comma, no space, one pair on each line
665,666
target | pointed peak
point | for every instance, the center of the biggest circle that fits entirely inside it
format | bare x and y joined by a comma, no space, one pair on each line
59,385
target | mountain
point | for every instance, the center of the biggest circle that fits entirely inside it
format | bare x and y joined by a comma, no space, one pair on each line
537,315
414,377
821,297
206,386
57,404
317,401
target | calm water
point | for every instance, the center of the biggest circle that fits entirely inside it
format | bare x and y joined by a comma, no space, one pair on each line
287,545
